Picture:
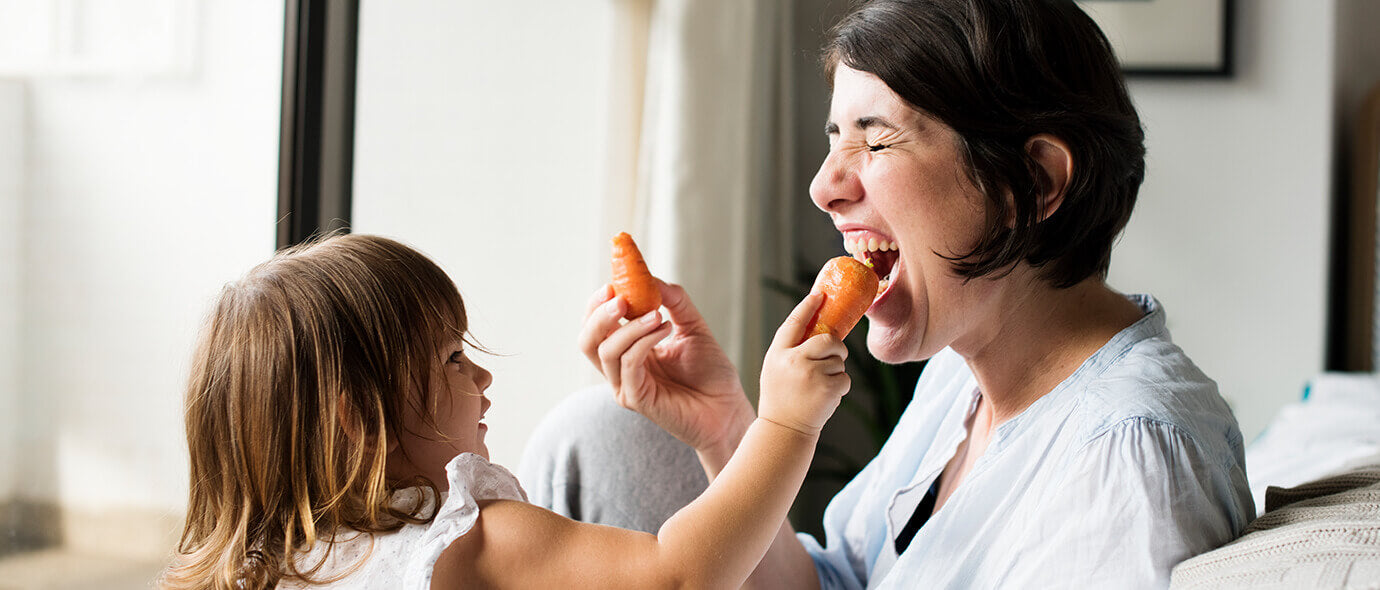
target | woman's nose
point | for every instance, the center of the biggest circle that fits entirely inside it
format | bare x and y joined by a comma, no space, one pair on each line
836,183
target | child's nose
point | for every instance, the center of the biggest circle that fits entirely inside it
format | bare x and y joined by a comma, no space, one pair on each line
484,379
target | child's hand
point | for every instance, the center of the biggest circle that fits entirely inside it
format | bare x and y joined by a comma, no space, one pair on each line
802,385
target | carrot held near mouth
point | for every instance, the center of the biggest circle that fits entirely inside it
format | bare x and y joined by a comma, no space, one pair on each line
631,279
849,286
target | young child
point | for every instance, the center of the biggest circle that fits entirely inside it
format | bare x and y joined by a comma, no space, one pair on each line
334,425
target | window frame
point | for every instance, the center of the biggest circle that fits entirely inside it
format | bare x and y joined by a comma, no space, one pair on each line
316,149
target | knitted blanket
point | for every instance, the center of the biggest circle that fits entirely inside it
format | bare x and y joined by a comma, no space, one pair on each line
1324,534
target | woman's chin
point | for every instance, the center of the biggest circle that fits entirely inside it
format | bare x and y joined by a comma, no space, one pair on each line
888,345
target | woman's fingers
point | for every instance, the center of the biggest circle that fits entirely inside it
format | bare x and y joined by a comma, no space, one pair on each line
601,320
792,331
678,306
633,365
604,293
611,350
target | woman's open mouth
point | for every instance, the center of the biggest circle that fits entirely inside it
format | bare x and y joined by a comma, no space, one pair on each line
880,254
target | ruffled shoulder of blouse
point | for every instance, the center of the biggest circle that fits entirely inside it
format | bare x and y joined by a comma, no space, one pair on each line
472,479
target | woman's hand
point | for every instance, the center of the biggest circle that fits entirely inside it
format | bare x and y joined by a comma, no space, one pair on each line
674,373
803,383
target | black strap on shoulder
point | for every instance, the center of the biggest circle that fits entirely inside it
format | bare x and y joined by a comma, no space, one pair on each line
918,519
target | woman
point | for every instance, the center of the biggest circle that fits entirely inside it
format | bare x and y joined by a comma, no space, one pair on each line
986,154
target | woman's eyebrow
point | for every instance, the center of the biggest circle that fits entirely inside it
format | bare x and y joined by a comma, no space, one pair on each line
862,123
873,121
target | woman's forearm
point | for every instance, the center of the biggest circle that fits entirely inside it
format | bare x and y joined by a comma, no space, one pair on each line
719,539
713,458
786,565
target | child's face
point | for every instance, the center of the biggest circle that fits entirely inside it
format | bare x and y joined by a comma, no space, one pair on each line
457,391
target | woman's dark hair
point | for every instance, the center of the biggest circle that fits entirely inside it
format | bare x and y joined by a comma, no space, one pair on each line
999,72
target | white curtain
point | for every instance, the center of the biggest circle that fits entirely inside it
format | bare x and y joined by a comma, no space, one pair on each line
699,168
13,179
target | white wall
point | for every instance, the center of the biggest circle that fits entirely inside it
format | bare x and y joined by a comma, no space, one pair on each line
12,140
479,139
145,195
1231,231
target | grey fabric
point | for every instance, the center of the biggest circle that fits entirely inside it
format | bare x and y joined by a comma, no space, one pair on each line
1324,534
594,461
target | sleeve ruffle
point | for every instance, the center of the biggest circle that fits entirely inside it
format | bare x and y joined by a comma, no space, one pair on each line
472,479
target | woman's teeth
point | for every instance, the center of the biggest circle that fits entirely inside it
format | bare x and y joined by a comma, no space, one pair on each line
862,245
881,253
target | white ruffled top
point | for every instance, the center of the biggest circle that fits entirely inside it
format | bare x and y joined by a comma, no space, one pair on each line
408,554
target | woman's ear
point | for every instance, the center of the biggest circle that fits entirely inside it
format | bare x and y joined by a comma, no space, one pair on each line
1055,158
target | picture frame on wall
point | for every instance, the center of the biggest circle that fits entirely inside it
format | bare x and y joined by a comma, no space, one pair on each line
1167,37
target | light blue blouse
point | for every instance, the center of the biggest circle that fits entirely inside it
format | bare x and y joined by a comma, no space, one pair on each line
1131,465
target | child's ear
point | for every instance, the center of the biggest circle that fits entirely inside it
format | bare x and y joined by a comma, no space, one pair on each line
346,418
392,441
1056,160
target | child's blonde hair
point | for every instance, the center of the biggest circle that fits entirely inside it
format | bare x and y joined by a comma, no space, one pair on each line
304,370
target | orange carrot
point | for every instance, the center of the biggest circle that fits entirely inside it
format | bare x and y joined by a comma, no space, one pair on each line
631,279
849,287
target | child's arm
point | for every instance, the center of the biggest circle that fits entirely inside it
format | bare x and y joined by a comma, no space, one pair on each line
714,542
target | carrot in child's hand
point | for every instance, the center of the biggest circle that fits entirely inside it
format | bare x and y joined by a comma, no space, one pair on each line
849,287
631,279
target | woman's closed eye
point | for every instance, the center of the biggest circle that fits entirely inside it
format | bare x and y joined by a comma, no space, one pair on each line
457,357
871,147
